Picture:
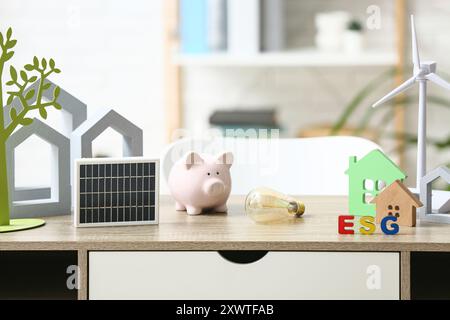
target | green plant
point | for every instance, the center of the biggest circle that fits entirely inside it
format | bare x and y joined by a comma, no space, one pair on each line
37,71
354,25
359,97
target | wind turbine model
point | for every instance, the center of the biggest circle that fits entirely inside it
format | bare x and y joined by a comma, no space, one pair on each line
422,73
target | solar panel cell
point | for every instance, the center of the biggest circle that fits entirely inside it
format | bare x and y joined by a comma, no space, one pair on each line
108,170
123,192
94,170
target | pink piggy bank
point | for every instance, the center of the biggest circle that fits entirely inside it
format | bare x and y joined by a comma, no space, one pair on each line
200,182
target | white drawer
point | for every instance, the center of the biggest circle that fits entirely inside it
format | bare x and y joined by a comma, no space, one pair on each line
278,275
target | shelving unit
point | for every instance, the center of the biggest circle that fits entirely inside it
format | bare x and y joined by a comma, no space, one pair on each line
308,57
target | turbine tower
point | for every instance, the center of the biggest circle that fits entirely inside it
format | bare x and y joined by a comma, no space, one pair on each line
422,72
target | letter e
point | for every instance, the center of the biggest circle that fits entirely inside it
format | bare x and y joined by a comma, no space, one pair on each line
343,226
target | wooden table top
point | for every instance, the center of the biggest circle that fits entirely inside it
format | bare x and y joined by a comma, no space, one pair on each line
316,230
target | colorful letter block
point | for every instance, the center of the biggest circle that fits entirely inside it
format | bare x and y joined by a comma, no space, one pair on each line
344,225
367,225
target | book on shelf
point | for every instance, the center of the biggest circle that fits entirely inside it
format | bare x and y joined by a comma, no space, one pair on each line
243,21
217,25
193,26
236,26
249,118
272,25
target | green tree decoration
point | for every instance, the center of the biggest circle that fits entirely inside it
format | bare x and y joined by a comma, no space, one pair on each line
16,89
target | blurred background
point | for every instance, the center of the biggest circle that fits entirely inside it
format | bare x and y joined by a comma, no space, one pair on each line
306,67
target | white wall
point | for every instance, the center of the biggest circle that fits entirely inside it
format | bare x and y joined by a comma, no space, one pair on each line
110,54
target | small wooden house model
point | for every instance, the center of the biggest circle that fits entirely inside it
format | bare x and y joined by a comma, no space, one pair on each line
396,200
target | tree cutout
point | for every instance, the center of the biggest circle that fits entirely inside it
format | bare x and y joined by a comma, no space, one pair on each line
16,90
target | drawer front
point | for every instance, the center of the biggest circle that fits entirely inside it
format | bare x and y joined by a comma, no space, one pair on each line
278,275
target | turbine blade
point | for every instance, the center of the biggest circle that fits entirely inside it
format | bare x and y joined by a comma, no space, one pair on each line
438,80
404,86
415,49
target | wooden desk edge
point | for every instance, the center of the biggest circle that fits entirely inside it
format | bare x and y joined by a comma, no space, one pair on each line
224,245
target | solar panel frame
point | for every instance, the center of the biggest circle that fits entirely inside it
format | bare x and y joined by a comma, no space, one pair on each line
87,168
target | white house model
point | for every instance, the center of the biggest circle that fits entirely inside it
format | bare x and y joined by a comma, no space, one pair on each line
78,111
59,201
83,137
427,197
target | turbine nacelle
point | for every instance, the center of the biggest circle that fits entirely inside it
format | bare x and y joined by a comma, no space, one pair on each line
427,67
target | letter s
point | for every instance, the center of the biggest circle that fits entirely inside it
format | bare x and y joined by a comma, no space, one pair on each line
367,225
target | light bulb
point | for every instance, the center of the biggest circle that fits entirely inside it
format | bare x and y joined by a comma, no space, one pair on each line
267,205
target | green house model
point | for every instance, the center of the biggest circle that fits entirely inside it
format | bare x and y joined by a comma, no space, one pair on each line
367,177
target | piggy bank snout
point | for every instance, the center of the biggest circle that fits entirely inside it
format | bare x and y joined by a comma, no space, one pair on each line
214,187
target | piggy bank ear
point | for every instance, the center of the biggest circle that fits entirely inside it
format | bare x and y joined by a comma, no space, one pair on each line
226,159
191,159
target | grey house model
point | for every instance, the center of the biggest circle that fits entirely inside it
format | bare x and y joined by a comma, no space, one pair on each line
426,212
76,108
59,200
56,200
84,135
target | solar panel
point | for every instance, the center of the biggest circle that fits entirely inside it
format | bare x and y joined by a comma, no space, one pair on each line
112,192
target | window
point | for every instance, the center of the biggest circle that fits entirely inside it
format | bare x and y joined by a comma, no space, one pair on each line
369,185
33,180
380,185
393,210
368,197
108,144
397,211
369,190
